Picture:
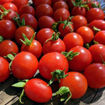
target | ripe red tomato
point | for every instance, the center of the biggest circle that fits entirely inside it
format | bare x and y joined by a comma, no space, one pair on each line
94,14
23,29
35,90
95,74
7,29
30,20
79,21
44,34
4,69
81,61
54,1
100,37
86,33
46,22
24,65
5,1
61,14
44,10
72,39
97,53
51,62
77,84
8,47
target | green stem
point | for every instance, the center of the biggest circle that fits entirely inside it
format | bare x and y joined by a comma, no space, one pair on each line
21,96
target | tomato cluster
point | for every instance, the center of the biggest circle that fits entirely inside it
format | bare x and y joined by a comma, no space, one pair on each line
62,39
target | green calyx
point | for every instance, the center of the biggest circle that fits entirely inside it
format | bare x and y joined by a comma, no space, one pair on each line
96,29
1,39
95,5
87,45
55,26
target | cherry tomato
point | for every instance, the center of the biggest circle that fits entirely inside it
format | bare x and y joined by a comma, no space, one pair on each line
46,22
24,65
77,84
35,90
97,53
72,39
51,62
82,60
54,1
8,47
44,34
5,1
4,69
95,74
7,29
23,30
61,14
86,33
30,20
44,10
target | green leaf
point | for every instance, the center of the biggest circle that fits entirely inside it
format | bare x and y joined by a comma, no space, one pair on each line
19,84
23,22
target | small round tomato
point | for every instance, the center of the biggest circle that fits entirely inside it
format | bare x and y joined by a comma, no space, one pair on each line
46,22
4,69
97,52
7,29
77,84
94,14
95,75
86,33
24,65
35,90
8,47
72,39
54,1
5,1
50,62
44,10
61,14
79,21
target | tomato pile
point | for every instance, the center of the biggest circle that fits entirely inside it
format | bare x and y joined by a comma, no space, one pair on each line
62,39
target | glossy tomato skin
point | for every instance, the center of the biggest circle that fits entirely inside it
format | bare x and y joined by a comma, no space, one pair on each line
51,62
23,29
54,1
54,46
97,52
81,61
38,90
46,22
7,29
95,74
24,65
44,10
8,47
100,37
4,69
30,20
35,48
61,14
72,39
86,33
44,34
5,1
77,84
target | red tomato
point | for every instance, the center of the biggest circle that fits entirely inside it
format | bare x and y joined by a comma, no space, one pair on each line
70,4
54,1
86,33
5,1
97,52
44,10
24,65
30,20
77,84
4,69
100,37
7,29
8,47
46,22
51,62
23,29
79,21
94,14
81,61
35,48
35,90
44,34
61,14
72,39
95,74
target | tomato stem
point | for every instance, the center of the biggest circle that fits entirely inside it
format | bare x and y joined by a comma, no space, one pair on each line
21,96
96,29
